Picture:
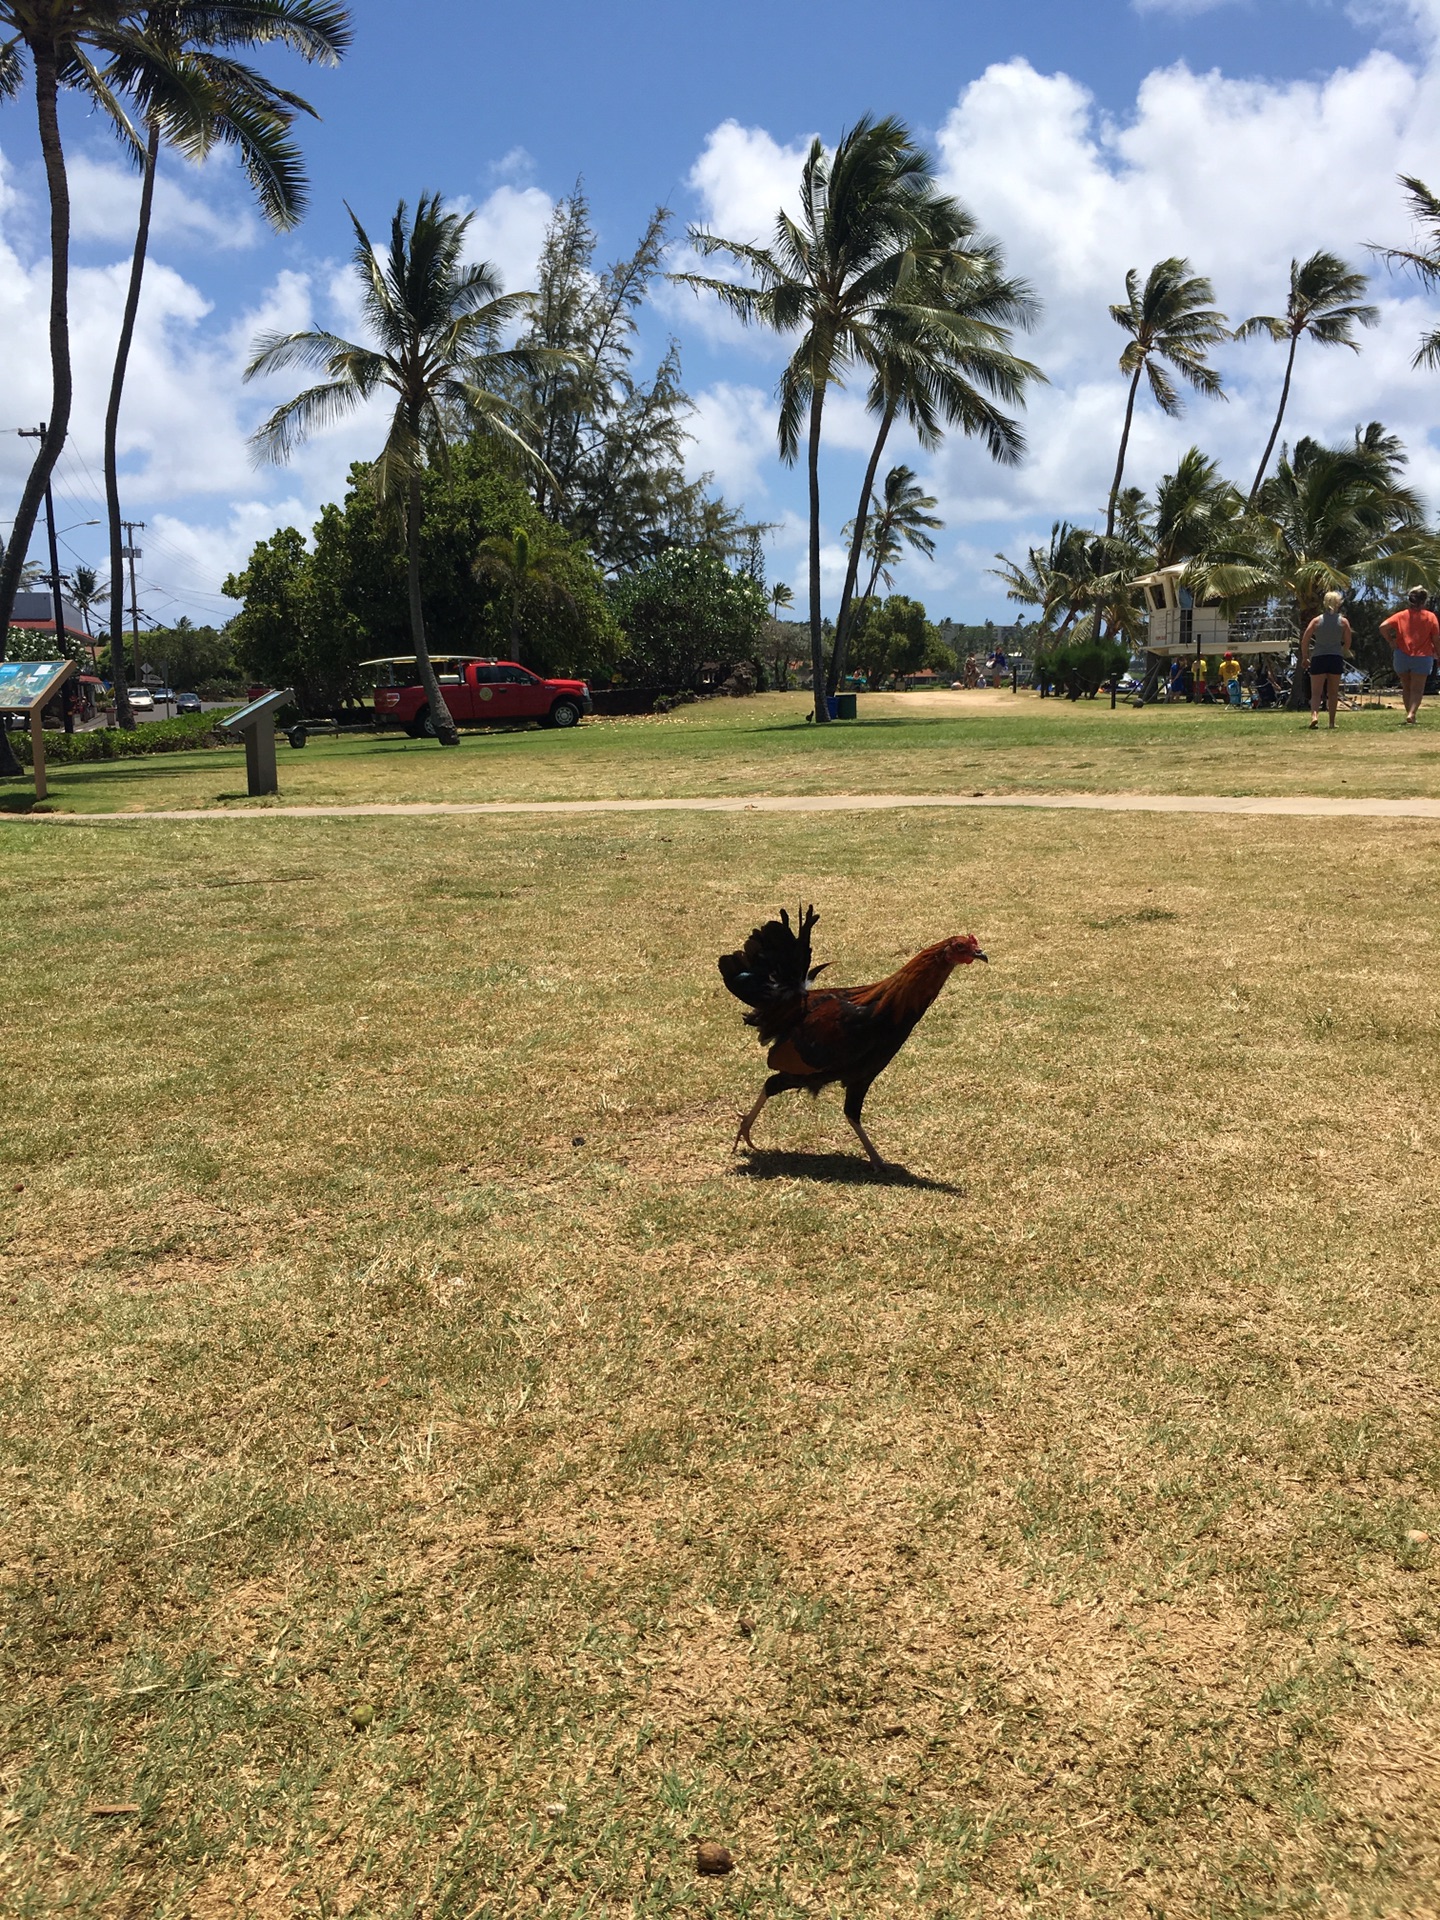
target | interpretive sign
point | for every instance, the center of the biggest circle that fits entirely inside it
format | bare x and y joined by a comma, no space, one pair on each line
257,723
27,683
28,686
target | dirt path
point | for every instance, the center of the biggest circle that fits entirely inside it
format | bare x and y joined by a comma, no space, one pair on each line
1290,806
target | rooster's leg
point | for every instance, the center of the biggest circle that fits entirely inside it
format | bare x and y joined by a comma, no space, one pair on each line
854,1102
743,1134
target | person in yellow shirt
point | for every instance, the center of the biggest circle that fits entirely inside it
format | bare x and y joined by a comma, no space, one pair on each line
1202,679
1229,669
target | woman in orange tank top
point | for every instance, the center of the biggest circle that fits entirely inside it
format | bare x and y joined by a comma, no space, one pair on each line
1414,633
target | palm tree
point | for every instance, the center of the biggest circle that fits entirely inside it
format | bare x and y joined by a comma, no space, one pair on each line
194,94
1194,516
1061,579
523,566
437,323
86,591
868,214
781,595
945,360
1325,303
57,36
1169,320
1423,260
903,519
1196,511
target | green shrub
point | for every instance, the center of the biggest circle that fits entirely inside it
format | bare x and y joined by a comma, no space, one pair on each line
181,735
1082,667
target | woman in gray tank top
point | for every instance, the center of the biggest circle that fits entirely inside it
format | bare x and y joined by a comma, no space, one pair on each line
1324,650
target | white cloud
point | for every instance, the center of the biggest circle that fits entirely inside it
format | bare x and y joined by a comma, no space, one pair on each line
1419,19
1238,174
743,178
105,203
186,467
186,463
1228,173
517,164
508,230
732,437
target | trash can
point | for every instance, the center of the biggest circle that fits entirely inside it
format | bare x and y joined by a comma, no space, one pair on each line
832,706
844,705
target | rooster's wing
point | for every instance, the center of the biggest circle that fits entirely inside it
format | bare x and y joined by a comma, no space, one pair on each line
840,1035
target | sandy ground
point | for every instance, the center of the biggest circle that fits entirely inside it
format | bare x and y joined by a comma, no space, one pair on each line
1293,806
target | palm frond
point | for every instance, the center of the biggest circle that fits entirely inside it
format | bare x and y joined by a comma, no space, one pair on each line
80,72
309,412
318,30
1423,262
325,352
12,69
1266,323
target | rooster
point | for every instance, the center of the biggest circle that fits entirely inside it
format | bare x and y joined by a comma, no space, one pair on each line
817,1036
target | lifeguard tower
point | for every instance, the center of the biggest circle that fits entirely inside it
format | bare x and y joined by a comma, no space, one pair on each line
1181,627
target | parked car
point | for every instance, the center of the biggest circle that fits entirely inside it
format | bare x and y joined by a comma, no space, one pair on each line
188,703
167,694
479,693
141,699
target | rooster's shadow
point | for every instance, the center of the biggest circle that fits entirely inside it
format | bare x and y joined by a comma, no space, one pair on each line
836,1169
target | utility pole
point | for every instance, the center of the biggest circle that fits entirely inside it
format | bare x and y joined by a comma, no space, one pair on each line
132,553
38,433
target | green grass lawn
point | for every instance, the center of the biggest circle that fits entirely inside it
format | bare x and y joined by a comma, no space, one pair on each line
918,743
440,1479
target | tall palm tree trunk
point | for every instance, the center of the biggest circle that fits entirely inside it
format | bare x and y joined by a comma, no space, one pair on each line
1124,449
874,577
61,385
445,729
862,519
1299,696
1275,430
112,427
817,637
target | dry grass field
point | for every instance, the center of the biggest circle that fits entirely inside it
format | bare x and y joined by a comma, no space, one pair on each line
439,1480
903,743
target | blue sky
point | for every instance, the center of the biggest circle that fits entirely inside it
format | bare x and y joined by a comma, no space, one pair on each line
1089,139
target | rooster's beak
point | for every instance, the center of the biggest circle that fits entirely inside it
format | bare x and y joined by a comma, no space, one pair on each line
977,955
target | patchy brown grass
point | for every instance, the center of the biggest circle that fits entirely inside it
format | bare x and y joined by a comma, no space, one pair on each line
391,1340
903,743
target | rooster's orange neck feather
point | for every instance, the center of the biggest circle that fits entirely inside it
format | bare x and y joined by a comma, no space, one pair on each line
911,989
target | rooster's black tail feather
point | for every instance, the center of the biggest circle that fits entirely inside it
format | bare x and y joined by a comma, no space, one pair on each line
774,964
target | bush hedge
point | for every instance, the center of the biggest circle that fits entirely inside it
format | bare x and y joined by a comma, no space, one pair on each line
181,735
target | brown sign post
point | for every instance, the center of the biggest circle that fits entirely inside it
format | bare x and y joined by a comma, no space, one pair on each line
28,687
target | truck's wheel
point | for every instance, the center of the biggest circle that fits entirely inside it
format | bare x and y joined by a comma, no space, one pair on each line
422,727
565,713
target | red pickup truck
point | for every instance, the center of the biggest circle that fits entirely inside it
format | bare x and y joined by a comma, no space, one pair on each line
479,693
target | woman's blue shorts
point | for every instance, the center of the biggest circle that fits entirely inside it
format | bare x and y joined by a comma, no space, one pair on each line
1414,662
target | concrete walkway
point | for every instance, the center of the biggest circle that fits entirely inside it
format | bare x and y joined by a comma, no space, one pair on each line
1288,806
